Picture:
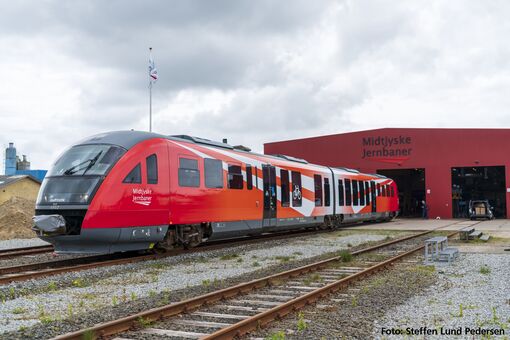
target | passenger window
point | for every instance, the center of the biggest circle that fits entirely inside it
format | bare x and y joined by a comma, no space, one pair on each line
388,193
152,169
348,192
317,180
285,186
213,173
392,192
361,193
367,193
378,189
327,197
341,201
249,178
189,176
134,176
256,177
383,190
355,197
297,197
235,177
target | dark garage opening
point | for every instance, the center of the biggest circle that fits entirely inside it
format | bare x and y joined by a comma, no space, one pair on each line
411,189
478,183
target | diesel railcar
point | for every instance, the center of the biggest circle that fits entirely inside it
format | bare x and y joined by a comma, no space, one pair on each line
132,190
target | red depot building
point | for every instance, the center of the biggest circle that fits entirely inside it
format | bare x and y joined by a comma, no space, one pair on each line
445,167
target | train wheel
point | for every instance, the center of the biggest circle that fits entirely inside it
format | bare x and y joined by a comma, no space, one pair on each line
190,235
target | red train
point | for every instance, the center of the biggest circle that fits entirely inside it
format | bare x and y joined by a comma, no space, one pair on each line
132,190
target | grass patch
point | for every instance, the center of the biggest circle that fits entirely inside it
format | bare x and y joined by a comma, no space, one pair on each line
229,257
255,264
283,259
280,335
18,310
345,255
485,270
301,323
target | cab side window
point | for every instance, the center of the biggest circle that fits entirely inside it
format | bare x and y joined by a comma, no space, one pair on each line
152,169
189,175
134,176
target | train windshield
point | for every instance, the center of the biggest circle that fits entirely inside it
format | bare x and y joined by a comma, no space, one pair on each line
77,173
86,160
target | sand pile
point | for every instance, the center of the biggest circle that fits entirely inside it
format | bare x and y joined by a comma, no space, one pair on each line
16,218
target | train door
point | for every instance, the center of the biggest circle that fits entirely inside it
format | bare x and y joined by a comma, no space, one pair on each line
269,188
374,196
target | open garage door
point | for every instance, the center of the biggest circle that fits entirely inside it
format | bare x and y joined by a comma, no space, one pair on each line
478,183
411,189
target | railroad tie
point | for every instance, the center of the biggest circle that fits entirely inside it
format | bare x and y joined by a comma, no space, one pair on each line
258,302
220,315
268,296
196,323
243,308
167,332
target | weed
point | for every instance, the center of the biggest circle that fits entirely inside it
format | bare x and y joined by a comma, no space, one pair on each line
70,312
78,283
18,310
229,257
301,324
114,300
12,292
206,283
461,312
485,270
349,245
202,259
51,286
283,259
152,293
239,260
345,255
81,304
280,335
143,322
157,265
133,296
354,301
255,264
297,253
254,256
22,328
89,335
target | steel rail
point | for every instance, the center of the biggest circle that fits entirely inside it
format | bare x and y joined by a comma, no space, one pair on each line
123,324
14,252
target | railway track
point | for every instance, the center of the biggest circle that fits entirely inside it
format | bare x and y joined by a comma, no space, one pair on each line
26,272
15,252
240,309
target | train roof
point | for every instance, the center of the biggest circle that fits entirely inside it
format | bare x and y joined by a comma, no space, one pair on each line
128,139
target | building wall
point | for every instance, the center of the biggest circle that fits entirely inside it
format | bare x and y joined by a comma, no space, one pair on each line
436,150
25,188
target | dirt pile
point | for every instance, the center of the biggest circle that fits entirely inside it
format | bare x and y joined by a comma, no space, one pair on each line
16,218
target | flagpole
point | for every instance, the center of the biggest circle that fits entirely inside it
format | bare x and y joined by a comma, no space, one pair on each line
150,98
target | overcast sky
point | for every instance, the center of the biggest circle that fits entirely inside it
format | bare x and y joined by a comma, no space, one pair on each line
250,71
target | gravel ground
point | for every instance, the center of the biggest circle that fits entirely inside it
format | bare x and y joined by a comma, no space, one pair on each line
352,315
116,288
473,292
20,242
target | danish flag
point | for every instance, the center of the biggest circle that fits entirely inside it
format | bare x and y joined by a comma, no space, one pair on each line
153,72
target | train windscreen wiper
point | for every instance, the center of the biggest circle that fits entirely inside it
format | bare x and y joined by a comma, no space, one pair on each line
85,165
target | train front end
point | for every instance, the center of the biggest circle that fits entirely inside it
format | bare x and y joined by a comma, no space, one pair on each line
65,196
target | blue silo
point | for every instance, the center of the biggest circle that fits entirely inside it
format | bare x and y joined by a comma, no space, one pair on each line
10,160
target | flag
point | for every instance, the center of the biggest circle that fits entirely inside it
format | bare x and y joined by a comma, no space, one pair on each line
153,72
